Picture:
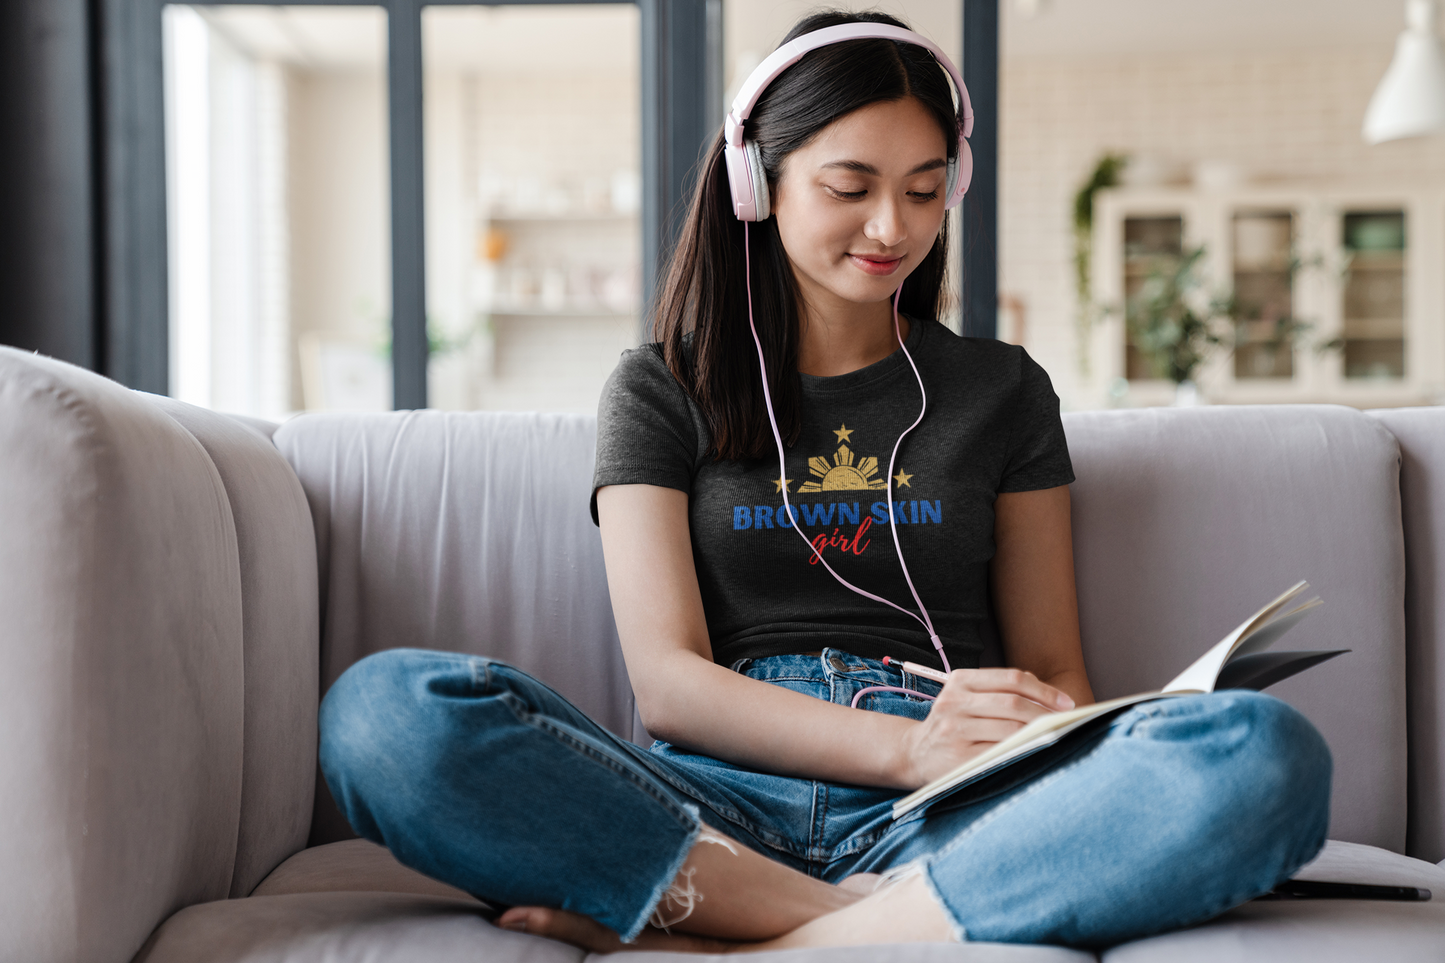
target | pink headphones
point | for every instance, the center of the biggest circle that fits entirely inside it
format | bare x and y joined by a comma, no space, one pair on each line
746,177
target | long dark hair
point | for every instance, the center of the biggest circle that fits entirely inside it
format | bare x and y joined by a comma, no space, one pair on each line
703,293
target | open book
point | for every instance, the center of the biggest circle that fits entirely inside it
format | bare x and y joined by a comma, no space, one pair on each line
1238,661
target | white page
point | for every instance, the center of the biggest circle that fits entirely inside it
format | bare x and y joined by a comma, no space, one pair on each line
1200,676
1269,634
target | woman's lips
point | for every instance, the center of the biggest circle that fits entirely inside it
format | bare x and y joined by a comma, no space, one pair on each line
876,265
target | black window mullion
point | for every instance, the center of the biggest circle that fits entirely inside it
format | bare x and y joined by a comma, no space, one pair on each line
681,48
979,221
409,348
132,299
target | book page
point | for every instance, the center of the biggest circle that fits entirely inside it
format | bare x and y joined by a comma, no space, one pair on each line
1043,731
1270,634
1201,675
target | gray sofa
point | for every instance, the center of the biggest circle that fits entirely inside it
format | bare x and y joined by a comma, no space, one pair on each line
179,587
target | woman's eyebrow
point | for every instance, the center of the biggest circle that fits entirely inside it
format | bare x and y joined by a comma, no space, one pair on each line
859,167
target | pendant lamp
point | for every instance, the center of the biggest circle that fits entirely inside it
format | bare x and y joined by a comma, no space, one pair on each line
1410,100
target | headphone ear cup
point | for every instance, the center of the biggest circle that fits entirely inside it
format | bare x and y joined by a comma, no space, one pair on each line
960,174
762,203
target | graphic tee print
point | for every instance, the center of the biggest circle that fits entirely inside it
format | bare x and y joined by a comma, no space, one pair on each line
992,426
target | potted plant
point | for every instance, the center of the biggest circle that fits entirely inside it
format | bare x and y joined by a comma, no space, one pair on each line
1178,325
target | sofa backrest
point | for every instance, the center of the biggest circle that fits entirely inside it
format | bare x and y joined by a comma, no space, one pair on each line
470,532
467,532
1421,434
121,641
1188,520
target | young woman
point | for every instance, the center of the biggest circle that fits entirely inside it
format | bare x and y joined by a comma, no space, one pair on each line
764,818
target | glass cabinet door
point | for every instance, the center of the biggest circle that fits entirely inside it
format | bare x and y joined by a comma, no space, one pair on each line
1151,245
1263,278
1374,294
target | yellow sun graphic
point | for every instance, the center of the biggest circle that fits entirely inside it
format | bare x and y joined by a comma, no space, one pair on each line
841,474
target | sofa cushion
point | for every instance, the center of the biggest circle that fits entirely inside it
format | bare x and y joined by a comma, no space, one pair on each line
352,865
1318,931
281,628
893,953
395,928
461,531
1421,434
1187,520
344,928
358,865
121,695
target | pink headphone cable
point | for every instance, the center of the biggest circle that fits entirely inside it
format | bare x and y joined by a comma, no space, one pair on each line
924,620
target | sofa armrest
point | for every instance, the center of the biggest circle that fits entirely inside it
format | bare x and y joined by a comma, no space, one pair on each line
120,703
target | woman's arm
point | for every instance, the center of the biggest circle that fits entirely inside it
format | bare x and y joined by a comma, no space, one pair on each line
1034,597
688,700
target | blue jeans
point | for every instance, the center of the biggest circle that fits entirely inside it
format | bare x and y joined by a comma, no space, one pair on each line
477,774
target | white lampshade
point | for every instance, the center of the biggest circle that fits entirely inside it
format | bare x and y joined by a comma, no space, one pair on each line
1411,97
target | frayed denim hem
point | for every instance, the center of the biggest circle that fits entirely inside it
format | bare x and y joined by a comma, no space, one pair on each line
660,890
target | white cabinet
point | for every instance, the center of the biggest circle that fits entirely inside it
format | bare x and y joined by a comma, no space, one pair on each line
1364,270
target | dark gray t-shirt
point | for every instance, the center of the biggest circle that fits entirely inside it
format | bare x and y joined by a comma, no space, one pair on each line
992,426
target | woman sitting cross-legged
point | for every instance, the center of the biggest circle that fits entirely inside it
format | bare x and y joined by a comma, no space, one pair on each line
806,474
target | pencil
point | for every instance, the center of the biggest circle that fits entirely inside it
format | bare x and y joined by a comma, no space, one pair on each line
915,669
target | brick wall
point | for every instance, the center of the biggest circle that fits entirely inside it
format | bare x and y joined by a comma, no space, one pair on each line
1289,116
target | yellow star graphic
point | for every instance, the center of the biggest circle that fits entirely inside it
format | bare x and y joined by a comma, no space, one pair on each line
902,479
843,432
778,484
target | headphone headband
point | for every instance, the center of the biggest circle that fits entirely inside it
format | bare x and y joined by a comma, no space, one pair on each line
749,184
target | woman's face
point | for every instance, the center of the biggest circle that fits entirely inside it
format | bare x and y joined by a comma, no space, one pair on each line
861,204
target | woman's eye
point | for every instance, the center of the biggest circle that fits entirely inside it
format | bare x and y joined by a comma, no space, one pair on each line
924,195
847,195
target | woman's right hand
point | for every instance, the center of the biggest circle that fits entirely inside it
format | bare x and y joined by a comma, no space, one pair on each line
976,709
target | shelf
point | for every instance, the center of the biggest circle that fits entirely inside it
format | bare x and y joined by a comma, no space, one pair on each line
563,313
1365,329
1388,261
579,217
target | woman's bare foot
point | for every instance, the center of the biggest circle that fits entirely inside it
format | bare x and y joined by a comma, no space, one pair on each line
729,899
904,912
596,938
725,894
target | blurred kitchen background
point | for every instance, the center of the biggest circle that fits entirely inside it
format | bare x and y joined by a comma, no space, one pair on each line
1190,206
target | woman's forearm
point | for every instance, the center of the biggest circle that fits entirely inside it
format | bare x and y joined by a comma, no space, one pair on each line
1075,682
704,707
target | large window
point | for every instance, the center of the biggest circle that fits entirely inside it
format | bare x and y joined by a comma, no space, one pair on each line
323,205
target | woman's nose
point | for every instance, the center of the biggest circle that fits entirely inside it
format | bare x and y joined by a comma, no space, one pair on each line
885,223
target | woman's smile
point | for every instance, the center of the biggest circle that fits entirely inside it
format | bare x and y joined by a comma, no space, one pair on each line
875,264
